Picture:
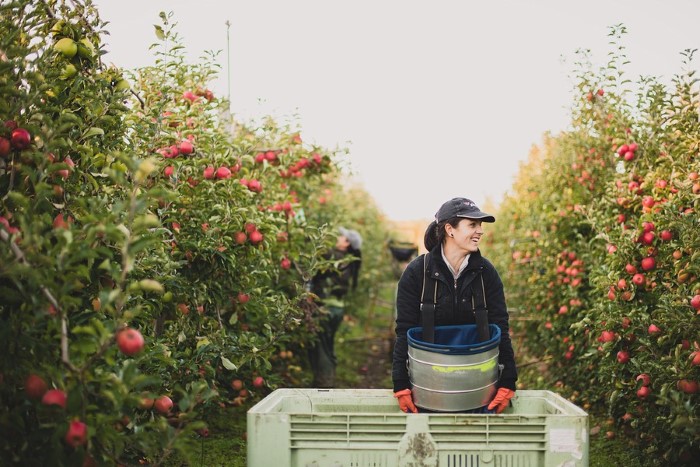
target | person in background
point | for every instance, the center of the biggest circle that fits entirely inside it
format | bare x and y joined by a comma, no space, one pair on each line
457,267
331,287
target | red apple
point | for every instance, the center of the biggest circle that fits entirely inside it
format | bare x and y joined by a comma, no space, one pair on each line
623,356
695,358
653,330
185,147
687,386
163,404
666,235
35,387
648,202
168,171
21,139
209,172
630,269
240,237
643,392
223,173
237,384
243,298
256,237
611,293
606,336
255,186
5,147
76,434
695,302
647,238
644,378
258,382
54,397
285,263
61,222
130,341
190,96
648,263
638,279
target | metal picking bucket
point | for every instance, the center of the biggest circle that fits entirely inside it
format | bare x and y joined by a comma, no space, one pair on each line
455,373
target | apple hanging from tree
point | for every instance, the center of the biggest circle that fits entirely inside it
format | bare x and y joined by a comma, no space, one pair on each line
223,173
35,387
185,147
240,237
258,382
130,341
5,147
54,397
20,139
695,302
163,404
237,384
77,434
285,263
644,378
256,237
623,356
638,279
643,392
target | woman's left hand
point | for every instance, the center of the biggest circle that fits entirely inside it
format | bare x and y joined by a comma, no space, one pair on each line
500,402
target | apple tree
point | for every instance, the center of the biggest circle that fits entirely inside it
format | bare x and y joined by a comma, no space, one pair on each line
599,253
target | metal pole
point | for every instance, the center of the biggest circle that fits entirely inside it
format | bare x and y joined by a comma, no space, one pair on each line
228,63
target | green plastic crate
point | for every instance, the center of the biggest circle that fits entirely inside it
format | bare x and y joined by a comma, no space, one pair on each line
364,427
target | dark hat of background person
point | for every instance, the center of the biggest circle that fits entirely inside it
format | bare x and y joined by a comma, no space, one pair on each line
462,207
353,236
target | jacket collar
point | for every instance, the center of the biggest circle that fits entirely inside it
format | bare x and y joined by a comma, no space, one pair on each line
437,268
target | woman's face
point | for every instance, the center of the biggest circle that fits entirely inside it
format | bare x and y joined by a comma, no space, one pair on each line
342,243
466,235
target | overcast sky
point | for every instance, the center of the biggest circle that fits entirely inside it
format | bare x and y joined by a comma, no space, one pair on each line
434,99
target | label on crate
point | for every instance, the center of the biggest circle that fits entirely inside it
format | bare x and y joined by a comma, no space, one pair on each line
563,440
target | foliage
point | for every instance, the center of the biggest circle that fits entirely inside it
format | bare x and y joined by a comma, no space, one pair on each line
600,252
134,201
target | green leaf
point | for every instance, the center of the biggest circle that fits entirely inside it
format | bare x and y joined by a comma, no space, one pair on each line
94,131
228,364
160,34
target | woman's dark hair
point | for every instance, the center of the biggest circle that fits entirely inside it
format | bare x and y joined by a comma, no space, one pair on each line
435,233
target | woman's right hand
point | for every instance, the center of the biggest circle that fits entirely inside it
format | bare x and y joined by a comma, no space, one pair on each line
405,401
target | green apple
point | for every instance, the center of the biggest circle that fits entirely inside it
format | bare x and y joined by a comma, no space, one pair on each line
67,47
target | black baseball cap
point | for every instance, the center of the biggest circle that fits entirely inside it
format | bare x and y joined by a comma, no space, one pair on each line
462,207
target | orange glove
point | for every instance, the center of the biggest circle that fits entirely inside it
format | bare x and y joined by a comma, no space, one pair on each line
500,402
405,401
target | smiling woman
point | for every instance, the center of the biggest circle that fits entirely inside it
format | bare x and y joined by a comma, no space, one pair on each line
452,285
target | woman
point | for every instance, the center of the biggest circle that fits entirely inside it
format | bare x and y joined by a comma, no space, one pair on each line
455,266
331,287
